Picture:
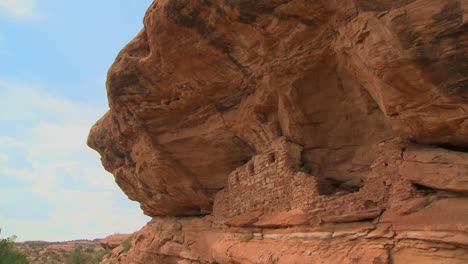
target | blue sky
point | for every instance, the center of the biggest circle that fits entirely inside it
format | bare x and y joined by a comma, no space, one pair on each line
54,55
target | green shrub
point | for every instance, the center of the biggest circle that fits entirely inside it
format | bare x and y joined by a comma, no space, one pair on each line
126,244
98,255
9,254
78,257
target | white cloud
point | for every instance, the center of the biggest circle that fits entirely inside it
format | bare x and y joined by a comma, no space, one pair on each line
58,167
19,8
30,102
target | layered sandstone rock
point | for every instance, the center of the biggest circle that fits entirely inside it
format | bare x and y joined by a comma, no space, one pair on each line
293,131
113,241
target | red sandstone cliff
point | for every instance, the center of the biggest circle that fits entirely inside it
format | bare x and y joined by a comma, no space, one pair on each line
293,131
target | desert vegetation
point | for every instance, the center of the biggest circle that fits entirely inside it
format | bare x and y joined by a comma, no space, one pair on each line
9,254
85,256
126,244
79,251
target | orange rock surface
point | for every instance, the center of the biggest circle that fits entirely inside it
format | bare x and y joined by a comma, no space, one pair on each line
293,131
113,241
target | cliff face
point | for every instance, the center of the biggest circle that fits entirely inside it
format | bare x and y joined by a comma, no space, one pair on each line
293,131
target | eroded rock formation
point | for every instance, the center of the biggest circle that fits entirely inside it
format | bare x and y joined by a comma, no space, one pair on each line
293,131
113,241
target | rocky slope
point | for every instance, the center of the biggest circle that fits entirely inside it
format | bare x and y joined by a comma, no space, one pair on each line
89,251
293,131
42,252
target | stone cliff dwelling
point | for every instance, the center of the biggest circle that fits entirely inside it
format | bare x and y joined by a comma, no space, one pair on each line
293,131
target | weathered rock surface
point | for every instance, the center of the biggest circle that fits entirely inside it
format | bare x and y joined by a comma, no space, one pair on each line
293,131
436,168
113,241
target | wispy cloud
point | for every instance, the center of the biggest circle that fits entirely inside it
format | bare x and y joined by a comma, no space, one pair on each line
46,135
22,9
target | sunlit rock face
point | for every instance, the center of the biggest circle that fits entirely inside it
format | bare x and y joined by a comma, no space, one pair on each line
293,131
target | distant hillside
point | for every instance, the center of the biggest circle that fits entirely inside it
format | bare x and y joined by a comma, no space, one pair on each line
42,252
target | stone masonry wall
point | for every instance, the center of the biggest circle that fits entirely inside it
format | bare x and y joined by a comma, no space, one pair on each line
274,181
270,181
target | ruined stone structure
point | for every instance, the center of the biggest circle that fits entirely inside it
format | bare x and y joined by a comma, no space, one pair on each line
293,131
270,181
